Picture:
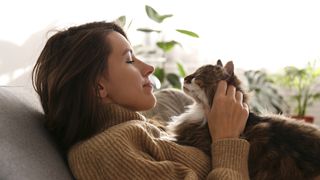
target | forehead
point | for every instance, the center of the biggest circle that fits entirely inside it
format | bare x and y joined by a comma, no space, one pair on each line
117,41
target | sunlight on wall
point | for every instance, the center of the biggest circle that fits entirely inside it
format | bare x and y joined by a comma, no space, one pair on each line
6,78
254,34
21,18
264,34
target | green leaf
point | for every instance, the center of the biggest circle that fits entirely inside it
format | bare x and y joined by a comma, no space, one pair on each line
166,46
316,96
174,80
148,30
189,33
266,96
129,24
121,21
154,15
159,73
182,72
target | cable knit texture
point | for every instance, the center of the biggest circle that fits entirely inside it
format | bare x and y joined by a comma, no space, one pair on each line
132,148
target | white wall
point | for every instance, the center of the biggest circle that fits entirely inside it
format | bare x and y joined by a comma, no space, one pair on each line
253,33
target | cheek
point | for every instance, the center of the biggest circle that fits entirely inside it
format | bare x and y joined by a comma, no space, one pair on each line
127,91
123,88
123,79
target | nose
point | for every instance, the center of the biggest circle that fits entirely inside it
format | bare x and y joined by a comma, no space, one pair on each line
146,69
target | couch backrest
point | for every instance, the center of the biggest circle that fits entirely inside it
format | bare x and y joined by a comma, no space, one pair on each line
26,149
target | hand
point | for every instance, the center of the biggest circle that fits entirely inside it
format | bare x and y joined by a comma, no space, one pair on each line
228,115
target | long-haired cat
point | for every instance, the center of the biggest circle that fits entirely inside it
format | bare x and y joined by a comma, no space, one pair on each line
280,148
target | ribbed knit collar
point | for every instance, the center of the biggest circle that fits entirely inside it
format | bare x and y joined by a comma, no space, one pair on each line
114,114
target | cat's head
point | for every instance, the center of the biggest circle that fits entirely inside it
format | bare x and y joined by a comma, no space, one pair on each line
202,84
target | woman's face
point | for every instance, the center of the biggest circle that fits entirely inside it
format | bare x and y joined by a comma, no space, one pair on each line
125,81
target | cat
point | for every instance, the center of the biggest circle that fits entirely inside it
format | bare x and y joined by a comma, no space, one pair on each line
280,147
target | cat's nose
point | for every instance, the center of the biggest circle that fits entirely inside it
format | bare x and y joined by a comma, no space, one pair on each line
187,80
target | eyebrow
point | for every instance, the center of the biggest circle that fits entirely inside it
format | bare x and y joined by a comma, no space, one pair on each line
126,51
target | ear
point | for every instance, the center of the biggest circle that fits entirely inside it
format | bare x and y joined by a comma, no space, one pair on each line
102,87
219,63
229,68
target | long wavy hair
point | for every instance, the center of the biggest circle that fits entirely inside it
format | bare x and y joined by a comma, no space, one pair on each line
66,78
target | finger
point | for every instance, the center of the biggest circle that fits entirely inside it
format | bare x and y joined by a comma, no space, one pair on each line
222,87
239,97
245,106
231,91
245,114
246,110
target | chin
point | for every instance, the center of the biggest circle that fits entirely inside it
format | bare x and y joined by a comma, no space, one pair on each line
150,103
145,104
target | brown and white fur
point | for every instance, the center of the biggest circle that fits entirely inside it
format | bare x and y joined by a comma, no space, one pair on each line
280,148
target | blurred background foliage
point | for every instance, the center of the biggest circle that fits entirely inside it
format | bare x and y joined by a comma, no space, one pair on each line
266,94
159,49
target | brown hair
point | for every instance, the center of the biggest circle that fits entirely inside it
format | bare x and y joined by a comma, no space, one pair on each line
65,77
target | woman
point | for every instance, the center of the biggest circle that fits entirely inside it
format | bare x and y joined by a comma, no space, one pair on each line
91,85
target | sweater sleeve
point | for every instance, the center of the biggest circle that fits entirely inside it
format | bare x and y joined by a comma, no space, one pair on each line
229,163
92,163
229,160
131,152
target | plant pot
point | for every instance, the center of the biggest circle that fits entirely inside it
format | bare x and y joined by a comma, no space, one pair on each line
308,119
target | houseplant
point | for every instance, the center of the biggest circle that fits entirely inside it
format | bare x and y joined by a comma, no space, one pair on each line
160,48
303,84
264,95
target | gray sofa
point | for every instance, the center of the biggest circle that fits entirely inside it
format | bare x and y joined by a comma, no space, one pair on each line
27,152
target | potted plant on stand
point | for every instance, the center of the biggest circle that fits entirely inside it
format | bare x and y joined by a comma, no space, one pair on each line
303,84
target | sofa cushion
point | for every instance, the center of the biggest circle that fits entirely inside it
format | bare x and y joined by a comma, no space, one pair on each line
26,150
170,102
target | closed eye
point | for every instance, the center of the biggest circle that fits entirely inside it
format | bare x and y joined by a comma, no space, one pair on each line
130,61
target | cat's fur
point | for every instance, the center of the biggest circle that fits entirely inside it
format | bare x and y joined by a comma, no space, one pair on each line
280,148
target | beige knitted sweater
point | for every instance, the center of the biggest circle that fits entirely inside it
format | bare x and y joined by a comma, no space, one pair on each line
132,148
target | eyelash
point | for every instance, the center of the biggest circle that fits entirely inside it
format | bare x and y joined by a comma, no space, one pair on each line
130,62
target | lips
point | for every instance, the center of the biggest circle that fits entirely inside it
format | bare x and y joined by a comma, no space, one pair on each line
147,84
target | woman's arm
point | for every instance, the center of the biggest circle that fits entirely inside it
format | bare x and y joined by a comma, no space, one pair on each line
119,160
127,163
229,159
118,156
226,119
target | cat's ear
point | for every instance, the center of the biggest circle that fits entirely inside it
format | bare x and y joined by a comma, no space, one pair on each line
219,63
229,67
